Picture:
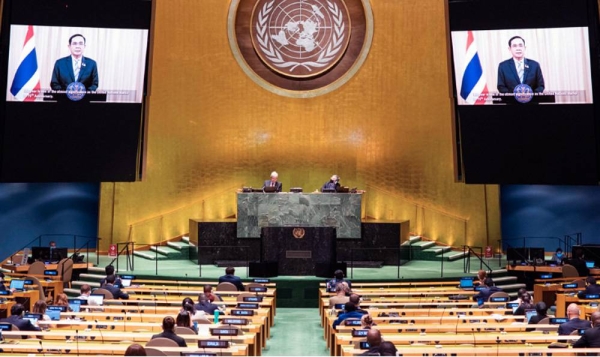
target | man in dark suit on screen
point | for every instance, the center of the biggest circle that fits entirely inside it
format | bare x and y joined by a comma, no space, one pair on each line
75,67
519,70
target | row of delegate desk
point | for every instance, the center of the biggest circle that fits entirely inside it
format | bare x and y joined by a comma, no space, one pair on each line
140,317
427,321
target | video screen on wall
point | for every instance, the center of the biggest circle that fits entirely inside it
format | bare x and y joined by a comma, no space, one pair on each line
524,84
74,76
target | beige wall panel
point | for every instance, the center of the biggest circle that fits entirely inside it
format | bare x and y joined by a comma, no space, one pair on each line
212,130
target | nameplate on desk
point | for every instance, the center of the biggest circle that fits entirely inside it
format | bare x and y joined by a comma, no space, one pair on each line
512,305
130,277
253,298
569,286
5,326
546,276
591,296
593,304
339,306
242,312
364,345
4,292
51,272
359,333
499,299
199,354
213,344
224,331
229,321
258,289
558,320
352,322
262,280
247,305
28,282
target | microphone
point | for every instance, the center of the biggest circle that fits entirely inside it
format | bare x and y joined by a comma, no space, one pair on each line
443,311
187,283
154,296
99,330
124,320
41,349
165,294
140,313
77,340
456,327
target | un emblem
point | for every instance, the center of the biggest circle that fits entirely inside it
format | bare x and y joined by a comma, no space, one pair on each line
298,233
300,38
523,93
75,91
300,48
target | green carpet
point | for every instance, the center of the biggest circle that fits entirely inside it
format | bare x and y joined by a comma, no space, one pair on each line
297,332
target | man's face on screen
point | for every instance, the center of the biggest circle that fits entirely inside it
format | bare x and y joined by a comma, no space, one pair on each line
77,46
517,48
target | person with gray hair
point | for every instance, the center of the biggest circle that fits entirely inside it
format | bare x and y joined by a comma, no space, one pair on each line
574,323
273,182
332,184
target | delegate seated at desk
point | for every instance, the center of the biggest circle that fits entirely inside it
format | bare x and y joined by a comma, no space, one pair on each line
332,184
592,288
273,182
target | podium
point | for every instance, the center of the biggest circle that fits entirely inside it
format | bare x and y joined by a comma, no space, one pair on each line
299,250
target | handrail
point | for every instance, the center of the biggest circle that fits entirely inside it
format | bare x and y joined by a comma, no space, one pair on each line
467,264
75,237
129,255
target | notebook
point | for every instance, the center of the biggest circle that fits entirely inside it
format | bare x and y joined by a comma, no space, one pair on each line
126,283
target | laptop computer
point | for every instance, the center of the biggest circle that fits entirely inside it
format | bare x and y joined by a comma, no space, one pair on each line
95,300
125,283
466,283
32,317
17,285
529,313
343,189
53,311
75,304
590,265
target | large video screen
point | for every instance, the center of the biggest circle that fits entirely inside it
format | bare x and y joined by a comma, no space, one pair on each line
73,84
43,61
517,66
525,81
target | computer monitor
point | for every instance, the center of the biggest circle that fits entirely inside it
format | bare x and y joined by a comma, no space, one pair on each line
95,299
466,283
75,304
18,285
537,254
517,254
270,189
56,254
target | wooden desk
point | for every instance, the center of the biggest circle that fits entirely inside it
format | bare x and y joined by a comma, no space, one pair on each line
487,350
16,268
5,308
563,300
548,292
544,269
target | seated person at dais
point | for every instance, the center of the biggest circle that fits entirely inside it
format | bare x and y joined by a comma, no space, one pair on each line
591,336
350,312
16,318
340,295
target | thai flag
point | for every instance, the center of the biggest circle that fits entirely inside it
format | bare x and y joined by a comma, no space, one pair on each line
473,88
26,83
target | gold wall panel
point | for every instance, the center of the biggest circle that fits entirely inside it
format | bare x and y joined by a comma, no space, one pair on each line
212,130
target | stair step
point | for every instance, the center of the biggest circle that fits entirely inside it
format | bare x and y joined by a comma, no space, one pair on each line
97,270
411,240
150,255
186,239
456,256
79,283
179,245
169,252
423,244
72,292
436,250
91,277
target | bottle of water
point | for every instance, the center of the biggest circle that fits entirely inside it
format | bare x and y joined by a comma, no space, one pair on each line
216,320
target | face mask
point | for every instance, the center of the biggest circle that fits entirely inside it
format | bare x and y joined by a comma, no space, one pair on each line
559,255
